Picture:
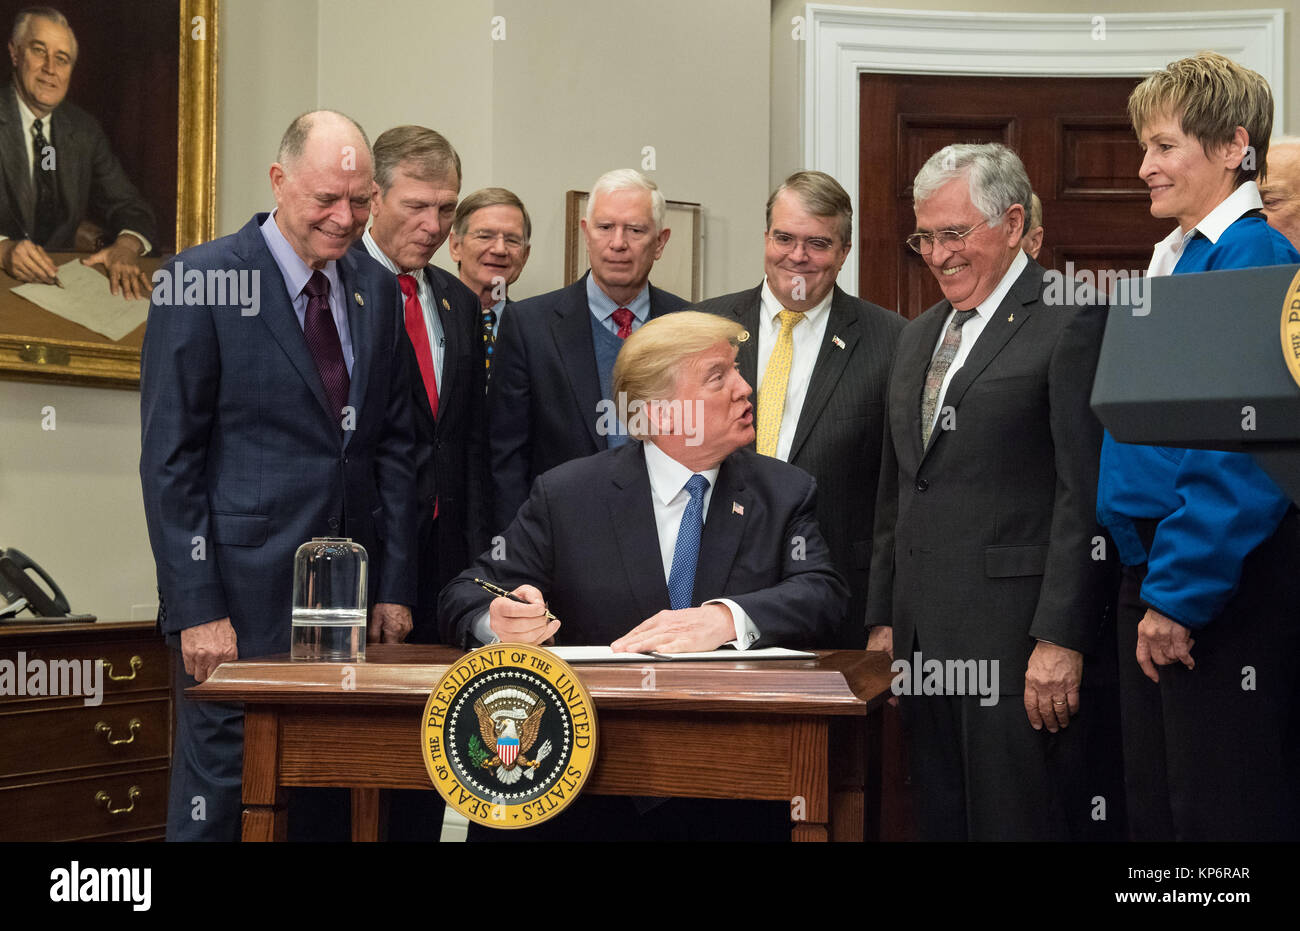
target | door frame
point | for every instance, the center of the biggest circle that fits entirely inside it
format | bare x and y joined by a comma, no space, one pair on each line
843,42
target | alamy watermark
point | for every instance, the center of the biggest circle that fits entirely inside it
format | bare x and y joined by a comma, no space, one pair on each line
66,677
650,418
178,286
920,676
1104,287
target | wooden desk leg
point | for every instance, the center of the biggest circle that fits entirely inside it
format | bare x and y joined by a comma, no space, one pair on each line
265,811
850,784
369,815
810,801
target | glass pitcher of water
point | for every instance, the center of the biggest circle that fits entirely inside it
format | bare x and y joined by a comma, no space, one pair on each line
329,601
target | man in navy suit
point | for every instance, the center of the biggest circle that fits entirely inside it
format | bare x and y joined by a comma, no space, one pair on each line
555,353
417,183
684,541
275,407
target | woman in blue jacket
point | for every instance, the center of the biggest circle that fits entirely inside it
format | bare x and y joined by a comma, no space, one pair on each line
1209,633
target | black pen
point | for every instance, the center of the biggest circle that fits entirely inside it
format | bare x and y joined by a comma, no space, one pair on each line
502,593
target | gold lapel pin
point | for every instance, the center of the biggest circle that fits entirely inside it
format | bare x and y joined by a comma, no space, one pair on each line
446,304
356,295
1011,318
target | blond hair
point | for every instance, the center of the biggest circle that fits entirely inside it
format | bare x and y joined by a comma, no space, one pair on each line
1210,96
650,362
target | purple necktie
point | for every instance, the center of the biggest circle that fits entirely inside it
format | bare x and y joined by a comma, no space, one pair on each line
323,341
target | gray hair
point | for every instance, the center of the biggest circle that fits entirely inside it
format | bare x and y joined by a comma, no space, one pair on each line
996,176
295,137
23,21
629,179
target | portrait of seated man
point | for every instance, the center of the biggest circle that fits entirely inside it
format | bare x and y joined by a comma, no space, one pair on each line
59,170
684,541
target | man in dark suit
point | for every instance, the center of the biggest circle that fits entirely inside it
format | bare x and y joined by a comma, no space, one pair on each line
821,398
489,244
550,396
417,183
265,423
684,541
59,169
985,548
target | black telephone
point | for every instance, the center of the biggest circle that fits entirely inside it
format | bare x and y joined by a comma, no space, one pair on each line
19,590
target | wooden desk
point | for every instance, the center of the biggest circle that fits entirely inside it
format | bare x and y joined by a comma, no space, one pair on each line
804,732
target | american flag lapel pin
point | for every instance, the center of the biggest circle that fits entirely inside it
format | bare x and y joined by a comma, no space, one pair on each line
737,509
837,341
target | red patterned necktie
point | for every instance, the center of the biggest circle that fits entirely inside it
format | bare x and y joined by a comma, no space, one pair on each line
415,329
623,317
323,341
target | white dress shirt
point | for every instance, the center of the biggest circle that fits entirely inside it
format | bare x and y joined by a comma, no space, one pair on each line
668,495
28,119
807,339
432,321
973,327
1170,249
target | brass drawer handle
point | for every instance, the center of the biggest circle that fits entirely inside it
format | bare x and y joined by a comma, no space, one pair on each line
103,798
103,727
136,665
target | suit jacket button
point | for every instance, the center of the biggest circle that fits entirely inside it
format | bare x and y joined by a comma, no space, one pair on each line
334,523
922,484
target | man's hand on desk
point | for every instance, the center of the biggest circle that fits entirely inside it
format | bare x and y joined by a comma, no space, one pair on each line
514,622
389,623
881,638
207,646
121,262
689,630
26,261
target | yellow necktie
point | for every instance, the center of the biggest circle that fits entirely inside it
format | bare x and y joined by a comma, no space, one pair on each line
776,378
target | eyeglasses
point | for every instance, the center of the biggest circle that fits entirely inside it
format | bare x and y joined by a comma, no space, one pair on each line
487,238
817,245
952,240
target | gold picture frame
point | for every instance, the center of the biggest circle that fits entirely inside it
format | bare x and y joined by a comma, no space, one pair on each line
39,346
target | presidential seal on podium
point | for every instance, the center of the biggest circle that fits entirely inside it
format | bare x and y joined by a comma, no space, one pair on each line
509,735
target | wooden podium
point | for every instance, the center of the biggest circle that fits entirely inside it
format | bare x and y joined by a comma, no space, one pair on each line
804,732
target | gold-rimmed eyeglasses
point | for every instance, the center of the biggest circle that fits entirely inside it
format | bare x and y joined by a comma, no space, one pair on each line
952,240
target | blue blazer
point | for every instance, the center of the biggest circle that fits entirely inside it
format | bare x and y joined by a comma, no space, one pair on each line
544,390
242,460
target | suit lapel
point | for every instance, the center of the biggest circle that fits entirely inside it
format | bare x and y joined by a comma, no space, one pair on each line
13,155
450,334
746,313
360,313
722,531
832,359
277,310
631,513
1014,310
571,330
64,139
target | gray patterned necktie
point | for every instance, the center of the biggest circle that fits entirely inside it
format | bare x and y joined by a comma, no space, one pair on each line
938,369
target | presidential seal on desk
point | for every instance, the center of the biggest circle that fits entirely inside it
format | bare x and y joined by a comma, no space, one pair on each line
509,735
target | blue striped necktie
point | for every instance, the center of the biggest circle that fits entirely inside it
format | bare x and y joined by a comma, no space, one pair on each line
681,577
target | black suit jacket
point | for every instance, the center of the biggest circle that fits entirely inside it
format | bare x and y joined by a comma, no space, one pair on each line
450,450
587,539
91,181
543,397
984,540
837,438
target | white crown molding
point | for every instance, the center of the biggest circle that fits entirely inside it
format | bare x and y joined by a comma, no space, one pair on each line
844,42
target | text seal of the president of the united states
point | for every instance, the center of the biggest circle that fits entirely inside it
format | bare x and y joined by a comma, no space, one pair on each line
509,735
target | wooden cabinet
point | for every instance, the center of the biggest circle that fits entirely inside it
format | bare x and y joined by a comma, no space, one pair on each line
71,768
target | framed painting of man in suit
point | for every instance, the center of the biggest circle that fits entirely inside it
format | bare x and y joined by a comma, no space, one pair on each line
126,97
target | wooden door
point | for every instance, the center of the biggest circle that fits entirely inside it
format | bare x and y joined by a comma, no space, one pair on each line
1073,135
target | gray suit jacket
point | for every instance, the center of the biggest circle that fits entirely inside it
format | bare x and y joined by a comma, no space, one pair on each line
984,539
91,181
837,438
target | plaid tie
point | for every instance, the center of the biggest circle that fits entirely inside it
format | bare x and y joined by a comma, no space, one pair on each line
938,369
